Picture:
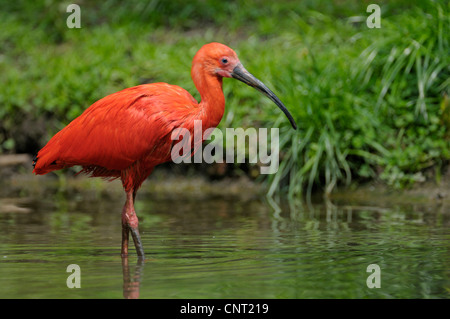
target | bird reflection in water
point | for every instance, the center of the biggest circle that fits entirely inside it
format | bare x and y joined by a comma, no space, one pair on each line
132,281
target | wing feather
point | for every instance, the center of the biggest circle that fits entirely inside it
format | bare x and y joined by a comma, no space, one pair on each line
119,130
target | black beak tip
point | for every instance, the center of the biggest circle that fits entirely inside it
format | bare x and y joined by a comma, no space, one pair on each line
241,74
291,120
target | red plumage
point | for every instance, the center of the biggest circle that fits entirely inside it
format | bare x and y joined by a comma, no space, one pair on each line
126,134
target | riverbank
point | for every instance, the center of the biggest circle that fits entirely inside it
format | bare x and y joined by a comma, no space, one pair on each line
16,176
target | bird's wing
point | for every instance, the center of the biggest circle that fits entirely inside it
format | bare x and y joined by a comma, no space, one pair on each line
120,129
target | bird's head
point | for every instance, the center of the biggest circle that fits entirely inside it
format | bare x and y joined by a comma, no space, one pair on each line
219,60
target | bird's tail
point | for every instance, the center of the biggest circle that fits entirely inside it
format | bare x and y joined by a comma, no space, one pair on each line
34,160
47,159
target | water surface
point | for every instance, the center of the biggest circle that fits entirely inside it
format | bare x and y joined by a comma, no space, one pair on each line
211,246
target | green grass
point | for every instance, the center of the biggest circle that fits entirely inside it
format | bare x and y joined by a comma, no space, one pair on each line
369,103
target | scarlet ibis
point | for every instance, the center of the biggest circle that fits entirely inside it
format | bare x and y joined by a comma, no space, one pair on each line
126,134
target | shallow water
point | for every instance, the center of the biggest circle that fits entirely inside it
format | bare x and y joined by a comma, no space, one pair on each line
200,246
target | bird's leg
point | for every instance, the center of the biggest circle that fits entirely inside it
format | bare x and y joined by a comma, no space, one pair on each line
135,233
125,229
124,252
130,223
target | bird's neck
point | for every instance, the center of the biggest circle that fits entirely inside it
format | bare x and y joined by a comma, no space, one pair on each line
212,104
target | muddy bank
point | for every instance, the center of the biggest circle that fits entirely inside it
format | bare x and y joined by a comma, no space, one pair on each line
214,181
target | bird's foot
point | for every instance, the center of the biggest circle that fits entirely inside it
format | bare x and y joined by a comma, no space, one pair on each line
126,228
137,241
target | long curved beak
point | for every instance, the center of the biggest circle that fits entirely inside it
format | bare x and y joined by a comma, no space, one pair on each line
241,74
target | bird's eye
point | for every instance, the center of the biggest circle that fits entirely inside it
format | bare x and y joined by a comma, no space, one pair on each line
224,60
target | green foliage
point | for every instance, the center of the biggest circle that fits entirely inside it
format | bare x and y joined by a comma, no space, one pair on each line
381,111
369,103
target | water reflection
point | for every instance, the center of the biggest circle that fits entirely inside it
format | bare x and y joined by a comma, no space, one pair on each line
221,246
132,280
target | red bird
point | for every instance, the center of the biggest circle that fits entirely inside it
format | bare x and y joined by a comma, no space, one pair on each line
126,134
